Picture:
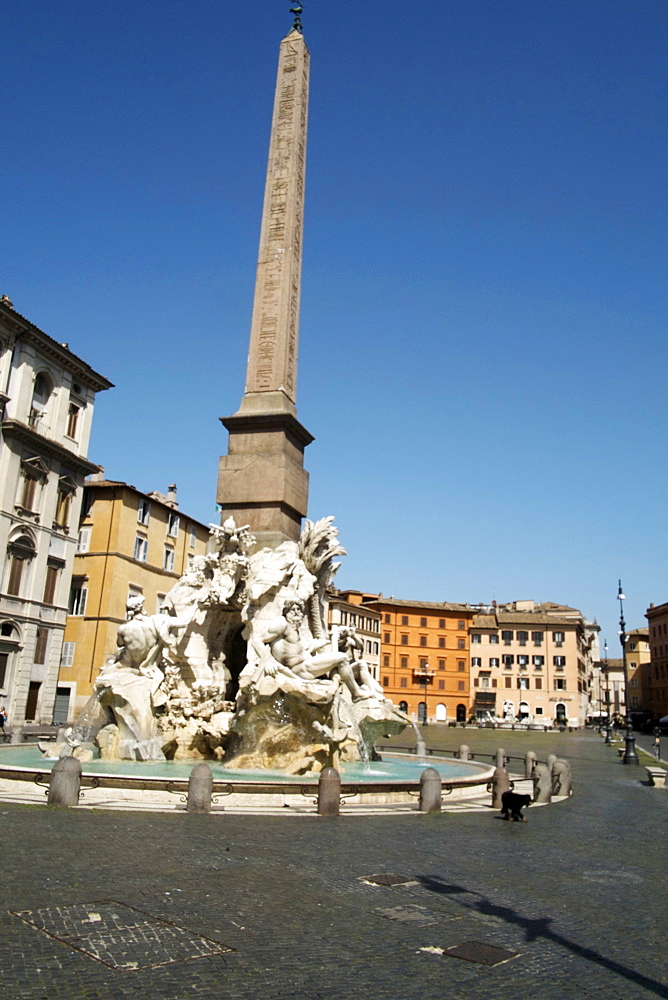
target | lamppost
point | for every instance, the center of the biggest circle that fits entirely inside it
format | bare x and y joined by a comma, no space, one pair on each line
630,755
608,719
425,677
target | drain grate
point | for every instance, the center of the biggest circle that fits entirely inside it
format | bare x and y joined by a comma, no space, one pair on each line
387,878
411,914
483,954
120,936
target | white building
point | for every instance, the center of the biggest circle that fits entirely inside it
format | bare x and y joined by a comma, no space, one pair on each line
47,395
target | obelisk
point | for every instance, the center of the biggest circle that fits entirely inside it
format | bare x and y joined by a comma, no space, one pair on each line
262,481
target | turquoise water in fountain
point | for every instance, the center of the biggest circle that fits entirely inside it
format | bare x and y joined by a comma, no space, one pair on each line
391,768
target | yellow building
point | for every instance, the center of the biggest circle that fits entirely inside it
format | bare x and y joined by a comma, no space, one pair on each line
129,543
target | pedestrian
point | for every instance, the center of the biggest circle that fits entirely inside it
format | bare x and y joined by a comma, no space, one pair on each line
3,719
657,744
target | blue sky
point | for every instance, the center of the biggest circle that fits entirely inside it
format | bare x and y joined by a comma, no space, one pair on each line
482,356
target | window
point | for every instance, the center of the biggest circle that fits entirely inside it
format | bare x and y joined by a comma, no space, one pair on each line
78,596
41,643
403,682
523,683
493,661
160,603
144,511
168,559
461,666
404,619
476,661
461,686
30,482
423,623
386,636
404,640
441,622
51,581
522,638
441,685
494,637
461,643
423,640
537,638
67,654
441,642
66,490
344,617
538,683
193,536
538,662
522,661
73,412
386,660
558,638
560,684
507,637
173,525
83,541
141,548
559,662
475,637
508,659
461,624
20,551
387,619
441,664
485,680
404,662
353,619
508,681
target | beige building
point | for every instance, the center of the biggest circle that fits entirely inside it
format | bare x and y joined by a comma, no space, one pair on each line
345,608
129,543
47,395
531,662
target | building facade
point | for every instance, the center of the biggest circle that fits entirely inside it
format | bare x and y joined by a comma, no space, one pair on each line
424,667
657,621
129,544
532,662
47,395
345,609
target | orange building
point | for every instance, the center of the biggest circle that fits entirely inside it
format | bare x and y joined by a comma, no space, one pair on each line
424,666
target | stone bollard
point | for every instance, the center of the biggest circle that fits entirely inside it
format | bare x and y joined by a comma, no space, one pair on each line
542,783
65,782
329,792
464,752
16,736
500,757
562,777
500,784
550,759
430,791
200,789
529,763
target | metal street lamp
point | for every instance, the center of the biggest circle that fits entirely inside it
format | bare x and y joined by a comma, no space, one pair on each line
425,677
608,719
630,755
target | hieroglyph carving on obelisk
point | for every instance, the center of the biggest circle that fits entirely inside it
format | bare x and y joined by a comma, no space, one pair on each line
272,357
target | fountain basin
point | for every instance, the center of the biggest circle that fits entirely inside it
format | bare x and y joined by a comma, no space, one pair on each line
163,784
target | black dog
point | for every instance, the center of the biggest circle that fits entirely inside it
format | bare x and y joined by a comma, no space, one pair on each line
513,804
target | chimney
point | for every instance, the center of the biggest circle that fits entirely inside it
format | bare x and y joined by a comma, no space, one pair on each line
171,495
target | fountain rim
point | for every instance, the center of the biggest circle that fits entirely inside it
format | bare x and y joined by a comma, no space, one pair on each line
293,784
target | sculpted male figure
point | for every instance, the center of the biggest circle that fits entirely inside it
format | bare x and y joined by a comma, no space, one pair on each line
287,648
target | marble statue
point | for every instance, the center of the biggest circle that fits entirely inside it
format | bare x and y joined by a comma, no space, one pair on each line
240,665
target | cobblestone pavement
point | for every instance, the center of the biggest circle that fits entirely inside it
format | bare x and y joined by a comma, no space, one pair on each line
143,906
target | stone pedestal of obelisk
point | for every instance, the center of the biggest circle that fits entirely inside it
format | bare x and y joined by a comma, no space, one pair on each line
262,481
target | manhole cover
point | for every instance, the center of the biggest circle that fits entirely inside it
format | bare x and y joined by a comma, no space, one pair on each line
411,914
120,936
483,954
387,878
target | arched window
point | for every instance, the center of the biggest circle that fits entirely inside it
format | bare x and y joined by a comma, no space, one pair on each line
19,552
441,712
403,706
42,389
